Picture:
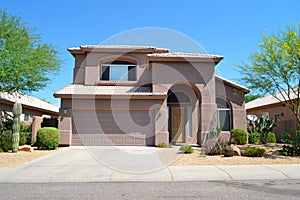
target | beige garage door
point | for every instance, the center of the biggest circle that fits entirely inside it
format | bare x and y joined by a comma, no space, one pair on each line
112,128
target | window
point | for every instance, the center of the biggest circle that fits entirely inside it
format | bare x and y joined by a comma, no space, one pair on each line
224,115
178,97
28,118
265,114
118,70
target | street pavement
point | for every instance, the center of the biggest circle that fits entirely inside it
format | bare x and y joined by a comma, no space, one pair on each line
119,164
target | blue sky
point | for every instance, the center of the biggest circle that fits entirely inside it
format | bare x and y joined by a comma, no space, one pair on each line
229,28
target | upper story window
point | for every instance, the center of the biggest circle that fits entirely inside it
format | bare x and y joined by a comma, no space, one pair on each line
118,70
224,115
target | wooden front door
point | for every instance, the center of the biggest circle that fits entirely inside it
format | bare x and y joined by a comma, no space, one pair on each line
177,124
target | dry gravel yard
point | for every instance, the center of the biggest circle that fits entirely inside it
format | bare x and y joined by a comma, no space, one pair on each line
14,159
172,157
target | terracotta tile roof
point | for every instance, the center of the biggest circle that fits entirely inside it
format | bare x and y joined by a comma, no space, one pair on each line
247,90
28,101
267,100
77,89
117,48
183,55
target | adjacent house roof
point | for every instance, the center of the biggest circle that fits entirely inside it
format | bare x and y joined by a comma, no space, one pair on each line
28,101
240,87
268,100
77,89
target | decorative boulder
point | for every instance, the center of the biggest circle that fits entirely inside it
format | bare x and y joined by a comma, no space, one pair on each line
236,150
26,148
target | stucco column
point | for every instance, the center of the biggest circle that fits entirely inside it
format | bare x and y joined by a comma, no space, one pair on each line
161,124
65,126
36,125
208,110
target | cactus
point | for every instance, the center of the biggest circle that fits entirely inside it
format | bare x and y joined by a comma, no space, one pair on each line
17,111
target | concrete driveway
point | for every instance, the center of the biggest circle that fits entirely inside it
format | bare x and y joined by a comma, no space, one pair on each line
87,164
106,164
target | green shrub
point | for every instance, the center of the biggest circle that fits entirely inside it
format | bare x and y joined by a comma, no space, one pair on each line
1,151
47,138
6,140
25,138
271,138
293,149
253,137
228,152
238,136
254,152
186,149
164,145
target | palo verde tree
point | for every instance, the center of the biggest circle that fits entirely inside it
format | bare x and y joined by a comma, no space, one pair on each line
25,61
275,68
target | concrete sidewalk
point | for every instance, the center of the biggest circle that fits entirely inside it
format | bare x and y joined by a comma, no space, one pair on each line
79,165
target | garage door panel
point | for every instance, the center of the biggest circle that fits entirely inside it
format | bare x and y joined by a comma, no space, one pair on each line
101,128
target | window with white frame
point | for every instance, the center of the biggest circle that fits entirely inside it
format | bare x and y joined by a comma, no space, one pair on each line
118,70
28,118
224,115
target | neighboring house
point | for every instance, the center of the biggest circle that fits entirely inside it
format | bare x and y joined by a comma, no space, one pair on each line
31,106
132,95
269,106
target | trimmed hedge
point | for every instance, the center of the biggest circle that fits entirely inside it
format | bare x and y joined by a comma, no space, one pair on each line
254,152
47,138
238,136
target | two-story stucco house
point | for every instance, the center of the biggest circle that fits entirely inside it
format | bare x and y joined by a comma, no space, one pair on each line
136,95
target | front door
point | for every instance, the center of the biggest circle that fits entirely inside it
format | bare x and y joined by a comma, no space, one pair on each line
177,124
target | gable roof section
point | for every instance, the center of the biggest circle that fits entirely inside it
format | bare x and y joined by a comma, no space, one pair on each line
28,101
116,49
190,57
77,89
267,100
233,84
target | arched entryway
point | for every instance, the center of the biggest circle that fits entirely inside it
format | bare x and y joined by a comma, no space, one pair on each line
184,114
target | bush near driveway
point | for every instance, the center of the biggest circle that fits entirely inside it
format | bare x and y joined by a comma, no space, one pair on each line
186,149
254,152
6,140
238,136
47,138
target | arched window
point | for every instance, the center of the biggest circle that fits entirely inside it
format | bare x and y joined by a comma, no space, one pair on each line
224,115
118,70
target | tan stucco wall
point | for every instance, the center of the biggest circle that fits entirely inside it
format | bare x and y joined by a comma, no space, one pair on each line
87,67
162,75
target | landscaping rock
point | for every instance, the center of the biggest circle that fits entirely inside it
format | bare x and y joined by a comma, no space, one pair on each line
26,148
236,150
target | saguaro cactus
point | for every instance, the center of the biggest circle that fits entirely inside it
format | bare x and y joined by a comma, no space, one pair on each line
17,111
